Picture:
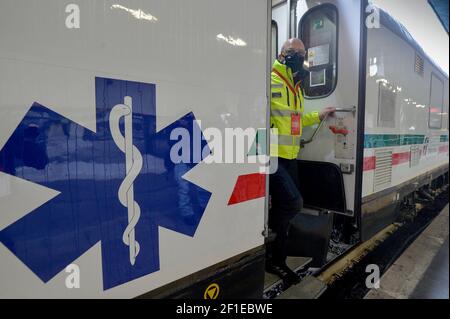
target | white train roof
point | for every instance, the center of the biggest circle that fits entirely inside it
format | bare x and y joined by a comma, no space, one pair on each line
400,30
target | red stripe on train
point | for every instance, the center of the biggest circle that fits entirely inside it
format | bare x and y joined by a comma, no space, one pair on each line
443,149
369,163
248,187
400,158
397,159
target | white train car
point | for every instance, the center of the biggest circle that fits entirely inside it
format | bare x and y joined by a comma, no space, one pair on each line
91,203
406,121
92,209
390,136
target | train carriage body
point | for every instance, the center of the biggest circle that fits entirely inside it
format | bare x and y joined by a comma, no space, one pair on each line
64,176
95,95
406,121
397,139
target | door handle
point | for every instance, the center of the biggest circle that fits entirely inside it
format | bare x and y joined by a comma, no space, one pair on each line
351,109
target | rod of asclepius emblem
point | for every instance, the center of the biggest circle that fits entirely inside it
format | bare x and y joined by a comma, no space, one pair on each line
133,165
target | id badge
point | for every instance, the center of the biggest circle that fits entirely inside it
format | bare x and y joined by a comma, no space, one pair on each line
295,124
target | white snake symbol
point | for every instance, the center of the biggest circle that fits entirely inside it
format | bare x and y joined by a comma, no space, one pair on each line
133,160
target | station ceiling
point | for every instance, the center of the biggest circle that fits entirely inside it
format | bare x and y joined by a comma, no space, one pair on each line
440,7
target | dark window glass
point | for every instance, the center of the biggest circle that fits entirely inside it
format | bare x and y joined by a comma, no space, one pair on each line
319,32
387,100
274,41
436,102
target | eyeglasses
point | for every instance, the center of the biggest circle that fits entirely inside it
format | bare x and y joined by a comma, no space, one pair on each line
301,53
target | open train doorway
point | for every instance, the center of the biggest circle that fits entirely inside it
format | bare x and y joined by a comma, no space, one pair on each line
329,168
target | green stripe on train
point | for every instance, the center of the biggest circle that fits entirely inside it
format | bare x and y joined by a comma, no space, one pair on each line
387,140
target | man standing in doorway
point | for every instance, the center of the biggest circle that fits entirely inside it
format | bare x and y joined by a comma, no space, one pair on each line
287,107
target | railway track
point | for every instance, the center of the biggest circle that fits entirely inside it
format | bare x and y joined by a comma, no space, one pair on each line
349,281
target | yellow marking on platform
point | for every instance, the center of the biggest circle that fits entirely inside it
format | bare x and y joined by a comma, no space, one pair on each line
337,269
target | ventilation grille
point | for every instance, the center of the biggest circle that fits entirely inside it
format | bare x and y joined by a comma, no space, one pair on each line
418,66
383,170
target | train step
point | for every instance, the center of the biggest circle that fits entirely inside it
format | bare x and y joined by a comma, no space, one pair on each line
295,263
309,288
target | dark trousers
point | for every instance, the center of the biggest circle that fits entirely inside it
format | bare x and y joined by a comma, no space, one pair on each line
286,203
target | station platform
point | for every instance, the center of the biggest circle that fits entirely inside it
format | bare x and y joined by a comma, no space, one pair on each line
422,271
309,287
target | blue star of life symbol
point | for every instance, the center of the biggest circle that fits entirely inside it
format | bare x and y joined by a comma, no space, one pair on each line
117,186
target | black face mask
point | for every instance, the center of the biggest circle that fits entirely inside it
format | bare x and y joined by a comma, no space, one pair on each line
301,75
295,63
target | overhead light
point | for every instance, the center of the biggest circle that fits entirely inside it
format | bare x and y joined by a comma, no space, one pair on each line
230,40
138,14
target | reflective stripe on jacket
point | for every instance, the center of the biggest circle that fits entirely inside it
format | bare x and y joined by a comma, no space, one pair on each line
287,101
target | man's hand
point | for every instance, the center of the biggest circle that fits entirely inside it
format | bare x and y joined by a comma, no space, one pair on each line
328,111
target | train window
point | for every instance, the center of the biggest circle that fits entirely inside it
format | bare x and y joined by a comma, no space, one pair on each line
436,102
387,99
274,41
319,32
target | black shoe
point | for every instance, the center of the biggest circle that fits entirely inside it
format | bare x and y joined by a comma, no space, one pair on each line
284,272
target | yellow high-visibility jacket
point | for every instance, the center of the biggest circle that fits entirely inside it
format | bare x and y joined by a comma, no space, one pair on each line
287,100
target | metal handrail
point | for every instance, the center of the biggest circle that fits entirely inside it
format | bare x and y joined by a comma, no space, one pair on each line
351,109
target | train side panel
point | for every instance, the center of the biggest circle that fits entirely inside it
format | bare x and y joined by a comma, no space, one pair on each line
406,125
194,64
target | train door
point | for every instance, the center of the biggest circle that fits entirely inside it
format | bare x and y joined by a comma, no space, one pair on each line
329,165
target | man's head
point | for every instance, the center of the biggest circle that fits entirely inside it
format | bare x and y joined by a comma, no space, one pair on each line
292,46
293,56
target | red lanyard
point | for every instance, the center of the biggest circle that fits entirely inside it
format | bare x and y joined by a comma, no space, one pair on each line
289,85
